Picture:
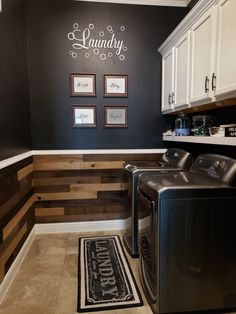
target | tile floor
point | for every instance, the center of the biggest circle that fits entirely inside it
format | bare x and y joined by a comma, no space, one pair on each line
47,280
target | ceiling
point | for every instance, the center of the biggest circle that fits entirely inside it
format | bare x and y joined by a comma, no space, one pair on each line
171,3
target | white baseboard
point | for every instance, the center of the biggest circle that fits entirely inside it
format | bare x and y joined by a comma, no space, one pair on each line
83,226
67,227
5,285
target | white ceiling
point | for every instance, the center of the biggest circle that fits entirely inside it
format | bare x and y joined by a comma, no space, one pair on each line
171,3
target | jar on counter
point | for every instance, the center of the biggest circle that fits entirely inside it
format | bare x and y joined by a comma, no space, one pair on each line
182,125
201,124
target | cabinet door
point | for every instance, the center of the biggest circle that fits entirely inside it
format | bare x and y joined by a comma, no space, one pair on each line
225,80
201,58
182,54
167,80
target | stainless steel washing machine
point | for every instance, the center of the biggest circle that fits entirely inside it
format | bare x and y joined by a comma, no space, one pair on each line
187,237
173,159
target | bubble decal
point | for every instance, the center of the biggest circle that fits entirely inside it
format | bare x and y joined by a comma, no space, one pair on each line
96,51
76,25
103,56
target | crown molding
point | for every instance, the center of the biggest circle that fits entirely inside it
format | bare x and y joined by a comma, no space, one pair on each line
197,11
169,3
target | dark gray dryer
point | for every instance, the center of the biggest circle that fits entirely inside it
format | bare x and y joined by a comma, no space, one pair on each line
173,159
187,237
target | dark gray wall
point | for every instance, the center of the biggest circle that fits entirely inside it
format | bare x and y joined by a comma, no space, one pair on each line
48,23
14,95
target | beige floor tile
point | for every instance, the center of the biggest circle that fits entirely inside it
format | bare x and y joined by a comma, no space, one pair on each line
67,296
28,309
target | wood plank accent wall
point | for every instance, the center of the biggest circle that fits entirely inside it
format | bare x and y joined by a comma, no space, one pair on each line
90,187
60,188
16,210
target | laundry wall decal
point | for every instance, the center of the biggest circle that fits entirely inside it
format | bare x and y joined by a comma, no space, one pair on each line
104,43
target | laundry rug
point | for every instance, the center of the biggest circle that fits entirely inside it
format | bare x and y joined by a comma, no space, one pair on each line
105,279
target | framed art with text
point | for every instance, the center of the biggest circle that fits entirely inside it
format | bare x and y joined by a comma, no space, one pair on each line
82,84
84,116
116,116
115,85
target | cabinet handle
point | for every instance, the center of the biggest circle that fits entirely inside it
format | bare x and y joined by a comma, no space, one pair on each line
169,99
207,84
173,98
213,81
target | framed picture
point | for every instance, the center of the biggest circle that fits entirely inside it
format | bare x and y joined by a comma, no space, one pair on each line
116,116
116,85
84,116
82,84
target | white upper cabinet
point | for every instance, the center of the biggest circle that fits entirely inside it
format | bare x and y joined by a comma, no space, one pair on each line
199,57
182,59
224,81
167,80
202,55
175,75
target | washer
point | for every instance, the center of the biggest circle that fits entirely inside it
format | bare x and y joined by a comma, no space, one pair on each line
187,237
173,159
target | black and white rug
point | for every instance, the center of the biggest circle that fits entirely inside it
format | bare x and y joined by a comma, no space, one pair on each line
105,279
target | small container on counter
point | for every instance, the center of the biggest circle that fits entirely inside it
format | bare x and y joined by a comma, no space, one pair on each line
182,125
201,124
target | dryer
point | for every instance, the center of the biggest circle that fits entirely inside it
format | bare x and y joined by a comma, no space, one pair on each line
172,159
187,237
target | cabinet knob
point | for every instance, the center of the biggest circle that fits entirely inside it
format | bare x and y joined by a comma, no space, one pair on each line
207,84
213,81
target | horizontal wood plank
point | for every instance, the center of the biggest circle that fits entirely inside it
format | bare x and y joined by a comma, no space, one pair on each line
25,188
99,187
57,158
60,211
65,196
66,180
51,188
10,248
121,157
16,219
25,172
78,165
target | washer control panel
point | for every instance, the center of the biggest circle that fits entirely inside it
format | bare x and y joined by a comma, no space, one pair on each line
219,167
